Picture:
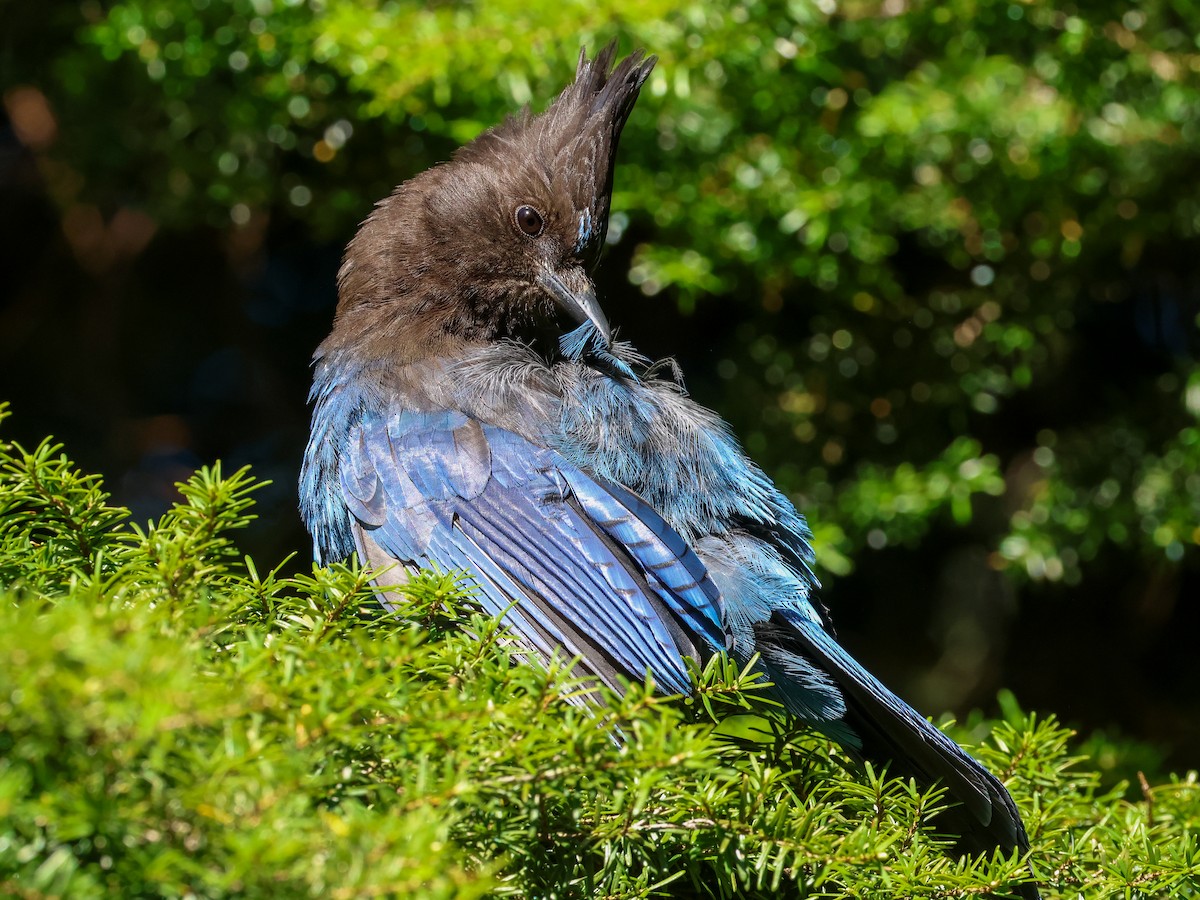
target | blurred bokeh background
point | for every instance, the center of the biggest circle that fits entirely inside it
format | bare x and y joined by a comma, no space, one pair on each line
937,262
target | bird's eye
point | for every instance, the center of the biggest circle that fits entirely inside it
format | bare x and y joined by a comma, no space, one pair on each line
529,220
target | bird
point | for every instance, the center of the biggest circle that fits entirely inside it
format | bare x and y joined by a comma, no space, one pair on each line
472,410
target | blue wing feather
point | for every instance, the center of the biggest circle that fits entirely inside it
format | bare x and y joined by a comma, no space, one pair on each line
575,563
667,559
500,595
635,637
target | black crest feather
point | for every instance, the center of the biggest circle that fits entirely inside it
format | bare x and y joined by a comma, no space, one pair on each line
574,141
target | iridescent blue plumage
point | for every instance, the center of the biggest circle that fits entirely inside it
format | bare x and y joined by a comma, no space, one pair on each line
538,535
606,515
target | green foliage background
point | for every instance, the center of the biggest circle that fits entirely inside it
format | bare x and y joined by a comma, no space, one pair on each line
174,722
1032,160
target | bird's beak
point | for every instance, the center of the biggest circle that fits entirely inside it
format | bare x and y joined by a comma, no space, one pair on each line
574,292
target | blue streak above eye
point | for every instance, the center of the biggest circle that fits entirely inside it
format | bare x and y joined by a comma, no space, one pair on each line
585,230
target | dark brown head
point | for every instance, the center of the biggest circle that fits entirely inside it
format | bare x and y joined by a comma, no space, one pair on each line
494,241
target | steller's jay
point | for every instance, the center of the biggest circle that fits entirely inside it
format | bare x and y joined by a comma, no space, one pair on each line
614,519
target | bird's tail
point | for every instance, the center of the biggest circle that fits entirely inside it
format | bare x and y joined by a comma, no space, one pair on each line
889,731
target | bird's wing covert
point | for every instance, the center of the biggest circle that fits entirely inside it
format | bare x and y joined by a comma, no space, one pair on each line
577,564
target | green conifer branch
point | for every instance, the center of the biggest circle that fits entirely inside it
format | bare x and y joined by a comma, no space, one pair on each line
174,722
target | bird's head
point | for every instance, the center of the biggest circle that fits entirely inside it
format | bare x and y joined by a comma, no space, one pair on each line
499,239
